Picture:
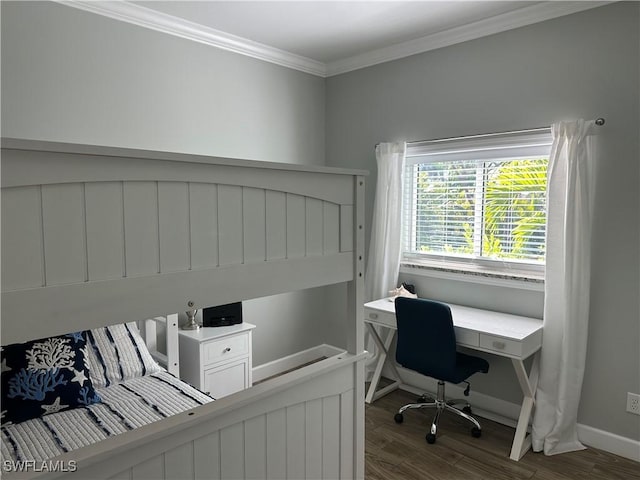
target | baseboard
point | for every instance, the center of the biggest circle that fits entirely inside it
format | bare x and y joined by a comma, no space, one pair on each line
609,442
506,413
294,360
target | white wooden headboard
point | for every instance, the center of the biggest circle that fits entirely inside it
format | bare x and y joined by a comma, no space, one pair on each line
93,236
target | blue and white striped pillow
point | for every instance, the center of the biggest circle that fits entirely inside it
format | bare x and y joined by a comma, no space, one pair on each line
117,353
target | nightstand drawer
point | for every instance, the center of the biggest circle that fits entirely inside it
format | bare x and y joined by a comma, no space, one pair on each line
225,348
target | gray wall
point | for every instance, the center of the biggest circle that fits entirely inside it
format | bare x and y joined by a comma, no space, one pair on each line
72,76
579,66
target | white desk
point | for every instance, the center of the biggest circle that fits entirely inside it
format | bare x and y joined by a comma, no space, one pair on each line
501,334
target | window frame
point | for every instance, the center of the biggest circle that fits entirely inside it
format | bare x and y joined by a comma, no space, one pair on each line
500,146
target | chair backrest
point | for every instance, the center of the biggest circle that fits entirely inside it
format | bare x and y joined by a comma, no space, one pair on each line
426,338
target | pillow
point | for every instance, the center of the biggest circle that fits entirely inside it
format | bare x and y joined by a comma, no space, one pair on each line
45,376
118,353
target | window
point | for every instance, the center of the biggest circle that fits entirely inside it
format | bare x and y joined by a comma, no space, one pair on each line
479,200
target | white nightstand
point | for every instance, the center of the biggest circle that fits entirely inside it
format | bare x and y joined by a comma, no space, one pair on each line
217,360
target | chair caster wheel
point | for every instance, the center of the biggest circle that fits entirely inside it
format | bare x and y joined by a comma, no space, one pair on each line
467,409
476,432
431,438
399,418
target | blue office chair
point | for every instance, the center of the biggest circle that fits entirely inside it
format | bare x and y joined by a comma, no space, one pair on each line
427,345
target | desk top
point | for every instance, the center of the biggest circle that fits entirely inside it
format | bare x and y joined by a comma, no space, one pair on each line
495,332
487,321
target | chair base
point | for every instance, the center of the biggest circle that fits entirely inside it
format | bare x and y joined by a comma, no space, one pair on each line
441,405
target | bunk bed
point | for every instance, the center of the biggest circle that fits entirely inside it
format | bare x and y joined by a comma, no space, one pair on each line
96,237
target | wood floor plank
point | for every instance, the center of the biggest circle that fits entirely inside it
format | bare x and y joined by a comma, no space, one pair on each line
544,474
411,443
619,471
499,467
400,452
376,467
575,465
437,467
375,445
423,471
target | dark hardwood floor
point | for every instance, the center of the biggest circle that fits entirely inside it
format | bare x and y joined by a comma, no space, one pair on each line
401,452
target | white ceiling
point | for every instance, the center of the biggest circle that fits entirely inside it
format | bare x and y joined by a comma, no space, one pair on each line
327,38
327,31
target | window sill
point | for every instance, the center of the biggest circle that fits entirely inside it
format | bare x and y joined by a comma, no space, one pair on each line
475,274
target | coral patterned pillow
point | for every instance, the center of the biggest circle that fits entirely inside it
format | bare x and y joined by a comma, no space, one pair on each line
45,376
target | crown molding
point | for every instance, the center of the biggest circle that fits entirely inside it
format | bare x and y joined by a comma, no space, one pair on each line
471,31
161,22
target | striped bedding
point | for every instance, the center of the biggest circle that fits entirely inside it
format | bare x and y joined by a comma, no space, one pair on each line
125,406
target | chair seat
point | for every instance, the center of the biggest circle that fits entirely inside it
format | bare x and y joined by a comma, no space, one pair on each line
466,365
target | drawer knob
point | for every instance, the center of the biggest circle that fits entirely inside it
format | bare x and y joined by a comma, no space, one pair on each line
228,349
499,345
373,315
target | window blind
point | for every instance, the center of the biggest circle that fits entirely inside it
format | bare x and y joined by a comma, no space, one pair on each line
480,197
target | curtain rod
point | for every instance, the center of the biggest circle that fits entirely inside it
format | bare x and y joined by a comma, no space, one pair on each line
598,121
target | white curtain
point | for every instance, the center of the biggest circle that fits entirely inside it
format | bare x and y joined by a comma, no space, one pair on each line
383,262
567,281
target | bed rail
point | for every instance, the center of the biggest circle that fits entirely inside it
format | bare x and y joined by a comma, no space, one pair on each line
93,234
170,359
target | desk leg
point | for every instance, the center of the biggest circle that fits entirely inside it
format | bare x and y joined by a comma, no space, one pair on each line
528,384
383,348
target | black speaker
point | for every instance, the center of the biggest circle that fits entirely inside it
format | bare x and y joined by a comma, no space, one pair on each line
222,315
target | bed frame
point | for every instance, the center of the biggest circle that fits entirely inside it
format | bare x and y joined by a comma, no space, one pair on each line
93,236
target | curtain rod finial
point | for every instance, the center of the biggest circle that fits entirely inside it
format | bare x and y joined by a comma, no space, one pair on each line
600,121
